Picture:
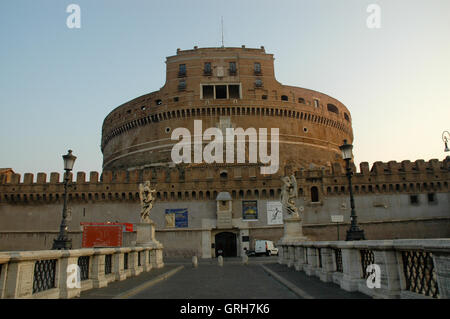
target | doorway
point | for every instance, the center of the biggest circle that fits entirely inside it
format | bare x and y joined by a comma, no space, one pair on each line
226,242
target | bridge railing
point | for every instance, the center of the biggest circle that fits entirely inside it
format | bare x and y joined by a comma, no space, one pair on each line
409,268
54,273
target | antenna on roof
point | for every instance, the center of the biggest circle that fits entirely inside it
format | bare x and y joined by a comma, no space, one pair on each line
222,30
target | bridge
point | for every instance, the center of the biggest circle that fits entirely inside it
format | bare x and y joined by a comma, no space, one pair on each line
303,270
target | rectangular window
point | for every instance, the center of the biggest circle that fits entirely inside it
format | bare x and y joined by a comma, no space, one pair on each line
316,103
182,70
182,85
208,91
233,91
221,91
257,67
232,67
207,69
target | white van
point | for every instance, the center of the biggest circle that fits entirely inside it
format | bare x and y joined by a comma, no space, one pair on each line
265,247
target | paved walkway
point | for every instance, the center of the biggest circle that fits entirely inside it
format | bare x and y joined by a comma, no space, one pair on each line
262,278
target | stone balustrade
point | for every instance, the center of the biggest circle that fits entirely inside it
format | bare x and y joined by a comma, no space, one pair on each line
409,268
45,273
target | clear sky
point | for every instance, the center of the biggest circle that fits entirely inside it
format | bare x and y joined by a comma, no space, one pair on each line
58,84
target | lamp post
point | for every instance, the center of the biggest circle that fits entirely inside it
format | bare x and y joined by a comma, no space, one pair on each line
354,232
63,241
445,140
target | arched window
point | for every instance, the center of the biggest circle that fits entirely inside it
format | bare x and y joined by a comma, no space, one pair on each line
301,100
332,108
284,98
346,117
314,194
223,174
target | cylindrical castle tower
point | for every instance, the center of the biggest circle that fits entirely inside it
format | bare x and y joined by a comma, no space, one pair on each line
225,87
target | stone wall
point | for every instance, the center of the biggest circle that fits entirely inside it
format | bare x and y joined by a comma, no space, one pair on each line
383,197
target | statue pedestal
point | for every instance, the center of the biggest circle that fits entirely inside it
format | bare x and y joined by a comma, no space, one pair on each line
293,230
145,237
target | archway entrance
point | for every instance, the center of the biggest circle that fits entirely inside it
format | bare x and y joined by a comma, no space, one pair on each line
226,242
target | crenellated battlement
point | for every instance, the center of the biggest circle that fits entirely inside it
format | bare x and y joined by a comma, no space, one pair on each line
209,172
243,181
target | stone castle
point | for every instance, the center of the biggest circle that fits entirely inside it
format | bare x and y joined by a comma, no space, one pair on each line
227,87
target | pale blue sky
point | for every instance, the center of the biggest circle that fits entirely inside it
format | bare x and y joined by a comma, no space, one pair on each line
58,84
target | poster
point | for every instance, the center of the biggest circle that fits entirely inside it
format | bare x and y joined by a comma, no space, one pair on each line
176,217
274,213
249,210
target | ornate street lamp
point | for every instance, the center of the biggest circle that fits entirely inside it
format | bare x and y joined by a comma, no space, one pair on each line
445,140
63,241
354,232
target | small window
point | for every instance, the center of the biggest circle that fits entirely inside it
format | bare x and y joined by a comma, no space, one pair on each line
143,108
158,102
314,194
233,91
208,91
232,68
284,98
207,70
346,117
176,99
332,108
223,174
258,83
301,100
316,103
414,199
221,91
182,85
257,68
264,97
182,70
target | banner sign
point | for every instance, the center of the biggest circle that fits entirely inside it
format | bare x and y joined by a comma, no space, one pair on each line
102,236
177,217
274,213
249,210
